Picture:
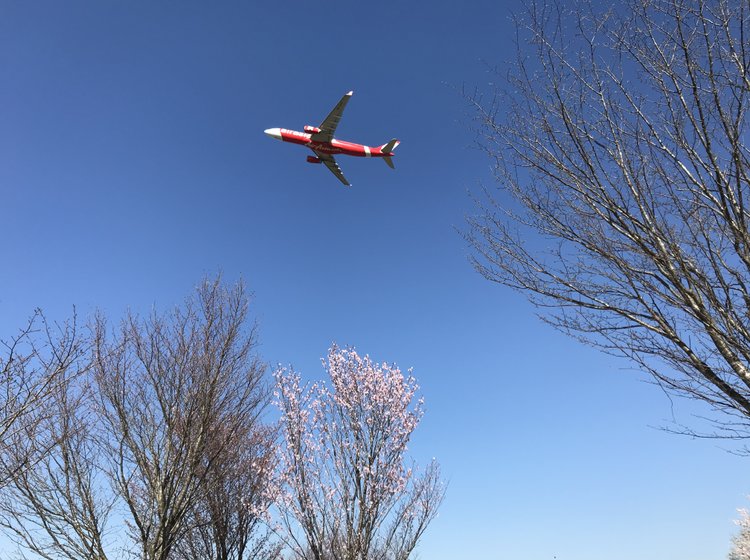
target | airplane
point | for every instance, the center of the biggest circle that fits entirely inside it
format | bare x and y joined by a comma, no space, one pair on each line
321,141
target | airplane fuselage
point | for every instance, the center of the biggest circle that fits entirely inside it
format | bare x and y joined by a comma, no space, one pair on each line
334,147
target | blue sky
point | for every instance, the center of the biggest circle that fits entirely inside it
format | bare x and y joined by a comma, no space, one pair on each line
133,163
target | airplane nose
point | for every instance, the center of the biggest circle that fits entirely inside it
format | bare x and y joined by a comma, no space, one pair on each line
273,133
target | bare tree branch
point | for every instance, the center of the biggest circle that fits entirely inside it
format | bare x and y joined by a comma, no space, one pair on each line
174,392
36,363
621,154
158,422
58,507
227,519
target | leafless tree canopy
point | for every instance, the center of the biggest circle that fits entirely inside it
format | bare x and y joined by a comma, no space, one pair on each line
175,392
33,366
227,518
58,507
162,425
620,138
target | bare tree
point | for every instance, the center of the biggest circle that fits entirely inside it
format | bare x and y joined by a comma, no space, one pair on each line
58,506
36,362
346,490
227,519
174,392
149,428
620,142
160,421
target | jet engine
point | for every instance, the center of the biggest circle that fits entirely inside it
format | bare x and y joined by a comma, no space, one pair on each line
313,159
312,129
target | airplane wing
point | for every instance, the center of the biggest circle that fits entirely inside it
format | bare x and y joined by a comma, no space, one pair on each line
329,124
331,164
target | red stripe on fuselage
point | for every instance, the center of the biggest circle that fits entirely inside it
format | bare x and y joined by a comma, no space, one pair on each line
334,147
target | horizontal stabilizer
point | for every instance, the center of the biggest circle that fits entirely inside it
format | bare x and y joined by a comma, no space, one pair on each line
390,146
389,161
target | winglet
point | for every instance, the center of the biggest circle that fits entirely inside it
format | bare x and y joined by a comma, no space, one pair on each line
350,93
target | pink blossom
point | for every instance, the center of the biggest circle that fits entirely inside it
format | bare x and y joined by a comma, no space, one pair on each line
343,480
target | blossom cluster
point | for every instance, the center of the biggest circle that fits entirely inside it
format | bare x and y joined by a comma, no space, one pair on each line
741,541
343,471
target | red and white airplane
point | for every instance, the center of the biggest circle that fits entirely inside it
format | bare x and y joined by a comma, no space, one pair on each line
321,141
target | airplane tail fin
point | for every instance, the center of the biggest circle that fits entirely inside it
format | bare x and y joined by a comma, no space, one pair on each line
390,146
387,150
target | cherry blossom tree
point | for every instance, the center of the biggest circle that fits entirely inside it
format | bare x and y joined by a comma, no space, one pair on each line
347,491
741,541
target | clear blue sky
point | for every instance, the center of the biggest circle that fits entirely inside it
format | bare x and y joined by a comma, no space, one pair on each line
133,162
